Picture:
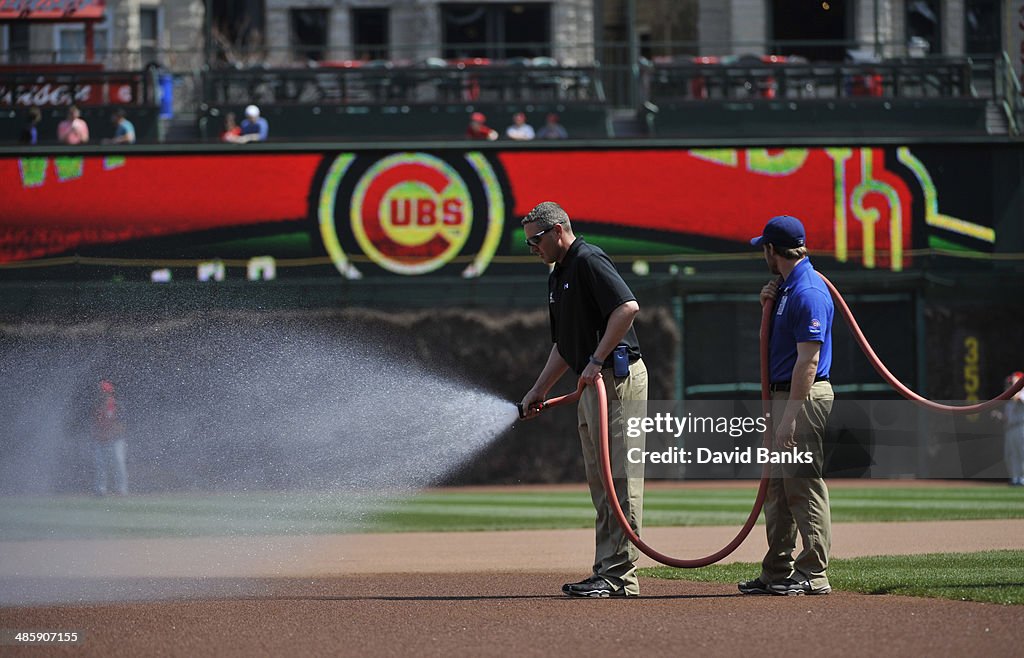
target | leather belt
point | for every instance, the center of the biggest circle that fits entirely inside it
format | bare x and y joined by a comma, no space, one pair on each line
785,386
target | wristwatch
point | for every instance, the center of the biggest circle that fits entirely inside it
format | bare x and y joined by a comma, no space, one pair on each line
595,361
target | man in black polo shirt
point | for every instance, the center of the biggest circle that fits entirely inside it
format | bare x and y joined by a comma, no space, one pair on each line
592,311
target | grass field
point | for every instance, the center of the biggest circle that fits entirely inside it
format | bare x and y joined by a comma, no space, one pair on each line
991,576
456,510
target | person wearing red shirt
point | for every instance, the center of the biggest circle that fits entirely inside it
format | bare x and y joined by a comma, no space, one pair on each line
232,131
478,128
108,442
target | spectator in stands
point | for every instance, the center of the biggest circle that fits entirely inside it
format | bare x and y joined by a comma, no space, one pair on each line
232,131
124,130
73,130
30,133
254,127
552,129
478,128
520,131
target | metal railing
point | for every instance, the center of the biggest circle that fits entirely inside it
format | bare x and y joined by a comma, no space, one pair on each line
41,88
1012,98
385,83
772,78
598,72
123,59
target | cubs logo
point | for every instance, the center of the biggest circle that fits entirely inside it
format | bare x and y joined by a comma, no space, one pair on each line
411,213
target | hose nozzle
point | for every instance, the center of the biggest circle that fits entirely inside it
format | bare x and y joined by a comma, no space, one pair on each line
535,407
538,407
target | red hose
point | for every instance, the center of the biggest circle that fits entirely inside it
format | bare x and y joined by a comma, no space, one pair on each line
762,489
606,465
900,387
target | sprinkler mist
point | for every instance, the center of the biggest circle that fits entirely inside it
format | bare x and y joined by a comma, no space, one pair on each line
236,428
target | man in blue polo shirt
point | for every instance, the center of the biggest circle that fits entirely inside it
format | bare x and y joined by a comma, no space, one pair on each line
800,357
254,127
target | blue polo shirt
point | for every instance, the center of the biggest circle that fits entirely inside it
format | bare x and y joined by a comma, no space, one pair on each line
125,127
803,313
258,127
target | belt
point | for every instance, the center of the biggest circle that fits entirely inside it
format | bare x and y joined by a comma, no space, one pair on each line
785,386
632,360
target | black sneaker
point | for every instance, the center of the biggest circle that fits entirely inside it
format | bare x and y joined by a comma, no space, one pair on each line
794,587
586,581
594,587
755,586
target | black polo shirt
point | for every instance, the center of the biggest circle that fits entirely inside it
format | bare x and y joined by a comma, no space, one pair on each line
583,290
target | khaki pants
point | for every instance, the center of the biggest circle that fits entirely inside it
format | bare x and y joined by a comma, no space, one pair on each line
615,556
797,499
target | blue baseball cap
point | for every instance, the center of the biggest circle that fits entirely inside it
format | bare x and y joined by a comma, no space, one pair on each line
784,231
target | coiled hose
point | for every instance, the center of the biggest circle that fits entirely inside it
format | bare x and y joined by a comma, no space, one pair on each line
762,489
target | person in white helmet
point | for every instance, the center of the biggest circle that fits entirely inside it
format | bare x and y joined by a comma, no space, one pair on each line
254,127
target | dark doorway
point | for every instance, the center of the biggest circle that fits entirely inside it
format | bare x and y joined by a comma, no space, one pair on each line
497,31
19,50
238,28
370,32
924,27
309,34
816,29
983,27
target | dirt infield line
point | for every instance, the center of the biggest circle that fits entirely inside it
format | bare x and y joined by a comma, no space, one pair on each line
521,614
462,552
475,594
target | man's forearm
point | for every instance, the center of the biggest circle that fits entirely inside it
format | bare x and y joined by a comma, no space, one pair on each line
619,322
552,372
804,371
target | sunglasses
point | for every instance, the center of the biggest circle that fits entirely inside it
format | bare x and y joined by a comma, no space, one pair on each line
534,240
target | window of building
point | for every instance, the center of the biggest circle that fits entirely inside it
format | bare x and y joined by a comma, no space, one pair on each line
70,41
238,27
16,42
370,33
149,34
924,27
646,49
309,28
819,31
982,27
497,31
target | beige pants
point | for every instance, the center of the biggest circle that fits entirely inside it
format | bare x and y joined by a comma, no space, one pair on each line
797,499
615,556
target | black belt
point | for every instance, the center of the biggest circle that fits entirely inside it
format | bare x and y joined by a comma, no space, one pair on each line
785,386
632,360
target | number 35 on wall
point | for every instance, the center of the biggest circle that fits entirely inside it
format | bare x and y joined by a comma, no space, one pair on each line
972,378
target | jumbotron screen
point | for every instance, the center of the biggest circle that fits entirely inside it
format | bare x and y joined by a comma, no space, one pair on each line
458,210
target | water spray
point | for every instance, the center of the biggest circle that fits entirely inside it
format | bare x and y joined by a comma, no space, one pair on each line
762,490
246,433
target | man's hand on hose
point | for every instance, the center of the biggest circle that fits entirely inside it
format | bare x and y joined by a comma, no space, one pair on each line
531,403
769,292
591,373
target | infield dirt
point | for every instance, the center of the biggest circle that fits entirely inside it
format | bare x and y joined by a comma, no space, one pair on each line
496,594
